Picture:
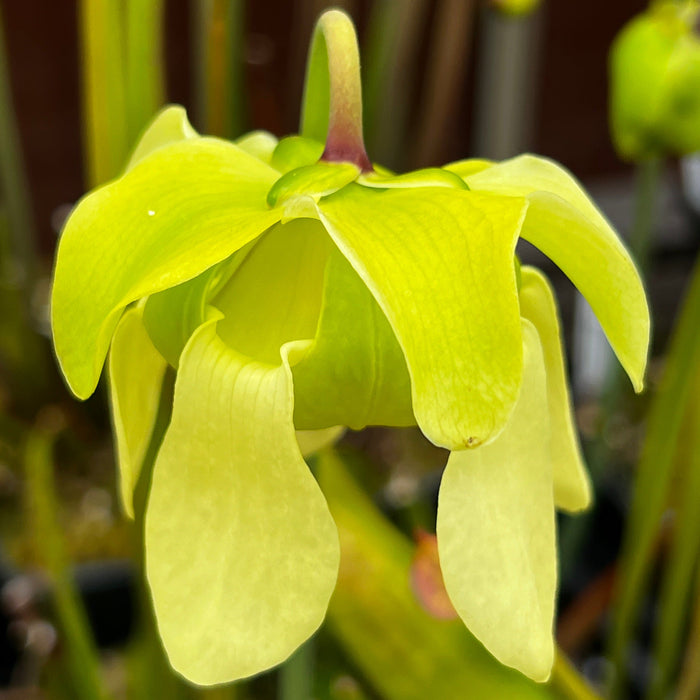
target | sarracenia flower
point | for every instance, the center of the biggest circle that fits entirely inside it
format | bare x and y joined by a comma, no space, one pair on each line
296,289
655,82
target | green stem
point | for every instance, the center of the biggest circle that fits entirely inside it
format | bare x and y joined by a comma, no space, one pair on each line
646,189
568,682
689,681
296,675
654,478
144,79
332,106
104,103
681,564
80,653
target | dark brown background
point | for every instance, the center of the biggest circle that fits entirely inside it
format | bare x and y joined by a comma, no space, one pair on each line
570,114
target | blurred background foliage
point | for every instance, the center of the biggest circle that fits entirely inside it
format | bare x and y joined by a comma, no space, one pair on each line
444,79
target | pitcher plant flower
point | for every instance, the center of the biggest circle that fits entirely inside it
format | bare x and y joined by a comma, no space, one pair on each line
297,289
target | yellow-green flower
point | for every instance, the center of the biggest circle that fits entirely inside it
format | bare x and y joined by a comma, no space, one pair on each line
296,290
655,82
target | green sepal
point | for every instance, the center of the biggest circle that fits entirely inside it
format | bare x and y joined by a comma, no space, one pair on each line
296,152
428,177
315,181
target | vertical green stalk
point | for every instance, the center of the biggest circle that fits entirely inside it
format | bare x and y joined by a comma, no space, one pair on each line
13,183
653,479
104,98
144,70
81,658
682,560
296,675
390,71
689,681
218,66
646,188
567,682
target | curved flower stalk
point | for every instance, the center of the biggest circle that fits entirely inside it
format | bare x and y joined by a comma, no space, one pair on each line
655,82
294,287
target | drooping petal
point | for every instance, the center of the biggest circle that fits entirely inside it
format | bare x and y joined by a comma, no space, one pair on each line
181,210
572,488
495,530
565,225
135,378
170,125
439,262
241,551
354,374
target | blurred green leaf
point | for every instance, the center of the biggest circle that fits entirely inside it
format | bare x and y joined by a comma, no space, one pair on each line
79,651
682,562
144,69
104,98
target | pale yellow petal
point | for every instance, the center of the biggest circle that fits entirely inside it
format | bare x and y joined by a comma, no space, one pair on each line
572,488
496,531
241,551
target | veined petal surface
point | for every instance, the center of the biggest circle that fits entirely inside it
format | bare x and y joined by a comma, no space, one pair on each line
241,551
439,262
179,211
495,530
136,372
572,488
565,225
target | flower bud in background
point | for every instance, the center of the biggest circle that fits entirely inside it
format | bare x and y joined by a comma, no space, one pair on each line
655,83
